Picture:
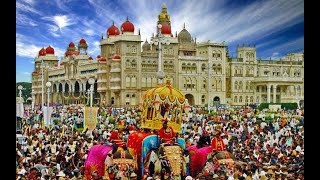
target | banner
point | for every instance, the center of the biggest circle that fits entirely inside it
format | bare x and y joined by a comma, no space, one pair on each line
19,110
47,115
90,117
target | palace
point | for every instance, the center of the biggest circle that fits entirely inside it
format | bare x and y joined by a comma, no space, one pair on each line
203,71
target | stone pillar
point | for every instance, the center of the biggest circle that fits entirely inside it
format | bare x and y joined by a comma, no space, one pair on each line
260,94
268,93
274,93
280,94
101,98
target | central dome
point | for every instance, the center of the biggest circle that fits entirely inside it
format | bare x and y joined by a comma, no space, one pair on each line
184,36
146,46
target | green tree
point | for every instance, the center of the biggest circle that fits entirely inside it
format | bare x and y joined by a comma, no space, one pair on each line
26,90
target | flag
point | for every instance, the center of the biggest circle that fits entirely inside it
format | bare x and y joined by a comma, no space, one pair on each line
90,117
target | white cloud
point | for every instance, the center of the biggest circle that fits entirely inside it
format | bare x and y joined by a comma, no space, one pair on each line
24,20
212,20
25,49
62,21
89,32
94,50
26,8
26,73
29,1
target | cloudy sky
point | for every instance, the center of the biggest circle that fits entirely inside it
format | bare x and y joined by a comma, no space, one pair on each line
276,27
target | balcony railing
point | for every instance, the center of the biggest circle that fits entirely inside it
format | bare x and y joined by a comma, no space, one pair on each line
278,79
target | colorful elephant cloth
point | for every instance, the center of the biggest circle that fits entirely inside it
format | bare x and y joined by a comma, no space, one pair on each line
95,160
198,158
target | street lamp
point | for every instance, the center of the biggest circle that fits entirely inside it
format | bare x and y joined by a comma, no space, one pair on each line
48,84
20,88
91,82
160,40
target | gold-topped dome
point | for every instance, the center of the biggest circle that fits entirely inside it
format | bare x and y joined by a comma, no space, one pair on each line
164,14
166,93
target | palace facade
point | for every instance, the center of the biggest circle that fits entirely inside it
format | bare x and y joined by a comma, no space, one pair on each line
203,71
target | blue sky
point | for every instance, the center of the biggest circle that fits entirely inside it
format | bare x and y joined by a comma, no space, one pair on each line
276,27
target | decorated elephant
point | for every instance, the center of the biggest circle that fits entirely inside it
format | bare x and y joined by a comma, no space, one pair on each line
105,162
222,160
163,160
121,164
94,164
198,158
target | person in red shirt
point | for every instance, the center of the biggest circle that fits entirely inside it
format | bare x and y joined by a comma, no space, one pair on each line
117,142
217,143
166,133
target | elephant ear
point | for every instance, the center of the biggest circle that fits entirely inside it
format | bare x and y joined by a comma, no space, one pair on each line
157,166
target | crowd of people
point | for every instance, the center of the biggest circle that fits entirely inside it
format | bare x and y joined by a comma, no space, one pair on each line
263,149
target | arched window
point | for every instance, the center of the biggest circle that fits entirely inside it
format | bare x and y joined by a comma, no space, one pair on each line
127,99
128,63
184,67
154,81
236,99
133,64
133,81
203,67
194,67
219,69
246,99
251,99
133,99
143,82
128,81
149,82
240,85
203,99
240,99
214,68
236,85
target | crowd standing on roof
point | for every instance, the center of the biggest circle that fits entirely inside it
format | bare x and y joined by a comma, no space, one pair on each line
268,148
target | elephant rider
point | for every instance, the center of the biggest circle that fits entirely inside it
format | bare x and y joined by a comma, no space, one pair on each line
167,134
116,141
217,143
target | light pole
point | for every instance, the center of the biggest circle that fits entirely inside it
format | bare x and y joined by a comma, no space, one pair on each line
88,95
48,84
91,82
42,91
209,86
20,93
160,40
